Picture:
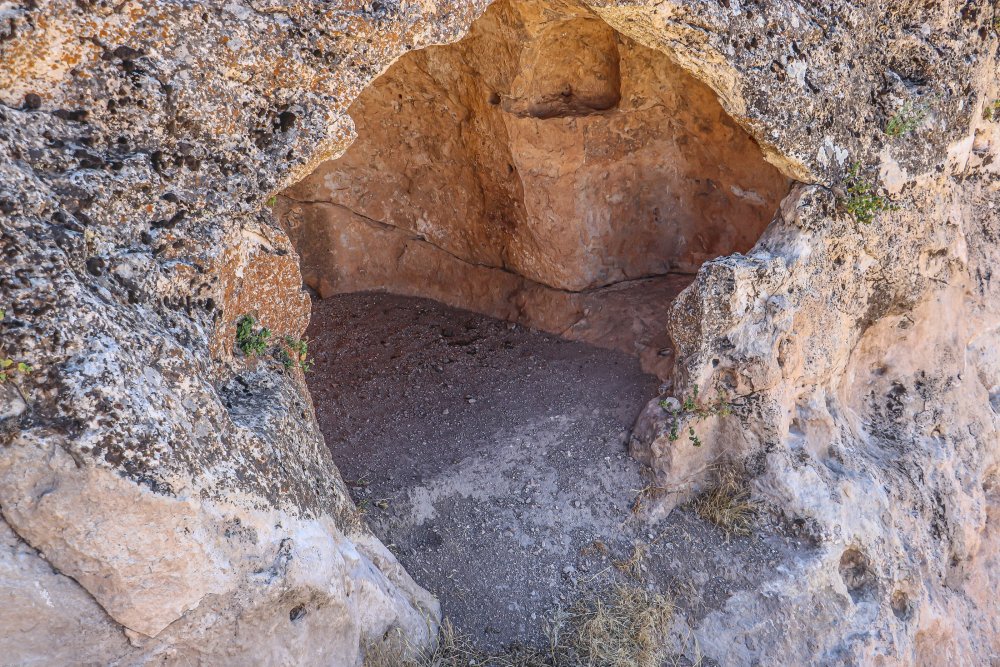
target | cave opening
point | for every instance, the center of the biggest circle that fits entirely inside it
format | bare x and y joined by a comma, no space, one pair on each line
493,262
546,170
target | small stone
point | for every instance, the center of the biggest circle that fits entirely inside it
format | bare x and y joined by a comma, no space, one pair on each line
124,52
95,266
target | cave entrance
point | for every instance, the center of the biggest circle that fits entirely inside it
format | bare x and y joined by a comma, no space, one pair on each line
545,170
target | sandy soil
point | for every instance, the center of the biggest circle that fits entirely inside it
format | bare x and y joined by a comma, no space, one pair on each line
491,460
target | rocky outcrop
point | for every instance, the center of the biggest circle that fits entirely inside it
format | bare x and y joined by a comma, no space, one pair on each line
171,498
853,354
165,497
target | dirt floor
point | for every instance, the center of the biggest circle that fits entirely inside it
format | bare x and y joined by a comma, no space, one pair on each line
492,461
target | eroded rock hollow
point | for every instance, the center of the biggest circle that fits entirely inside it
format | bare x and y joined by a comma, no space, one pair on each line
166,494
544,169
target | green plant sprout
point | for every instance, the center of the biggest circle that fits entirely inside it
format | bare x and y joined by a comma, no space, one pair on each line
991,111
11,368
251,340
904,121
699,410
863,201
295,354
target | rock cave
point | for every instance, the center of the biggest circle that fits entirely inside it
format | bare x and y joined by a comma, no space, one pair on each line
544,169
640,333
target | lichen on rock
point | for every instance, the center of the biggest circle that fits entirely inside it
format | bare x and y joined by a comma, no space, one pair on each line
176,485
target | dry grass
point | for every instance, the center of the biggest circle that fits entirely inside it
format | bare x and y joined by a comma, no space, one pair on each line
627,627
595,548
452,650
648,495
635,565
728,504
383,654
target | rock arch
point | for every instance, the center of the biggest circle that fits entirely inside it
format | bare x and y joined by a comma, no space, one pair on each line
544,169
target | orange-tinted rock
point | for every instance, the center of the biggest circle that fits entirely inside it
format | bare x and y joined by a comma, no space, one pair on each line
264,282
523,169
548,145
360,255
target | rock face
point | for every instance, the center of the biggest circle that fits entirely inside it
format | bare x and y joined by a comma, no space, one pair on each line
455,147
162,497
166,497
853,354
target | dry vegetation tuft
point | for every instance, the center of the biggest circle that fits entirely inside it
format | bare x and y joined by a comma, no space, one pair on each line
728,504
647,496
626,627
453,650
634,565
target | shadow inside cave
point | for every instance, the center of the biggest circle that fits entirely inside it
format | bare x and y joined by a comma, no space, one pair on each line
491,460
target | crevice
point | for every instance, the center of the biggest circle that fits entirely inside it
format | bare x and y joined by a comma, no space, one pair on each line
409,236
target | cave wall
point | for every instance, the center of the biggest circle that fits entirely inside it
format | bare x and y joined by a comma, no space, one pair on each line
164,498
545,144
176,495
528,167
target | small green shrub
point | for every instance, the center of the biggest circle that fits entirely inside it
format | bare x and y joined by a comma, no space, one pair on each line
10,368
295,354
271,201
905,120
991,111
698,409
251,340
863,200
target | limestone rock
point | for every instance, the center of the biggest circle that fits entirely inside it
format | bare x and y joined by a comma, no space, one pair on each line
179,489
451,187
851,353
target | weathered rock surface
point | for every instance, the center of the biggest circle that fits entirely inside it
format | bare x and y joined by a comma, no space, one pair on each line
854,354
174,501
181,497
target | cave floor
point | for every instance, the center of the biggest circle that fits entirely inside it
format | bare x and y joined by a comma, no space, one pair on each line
491,460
